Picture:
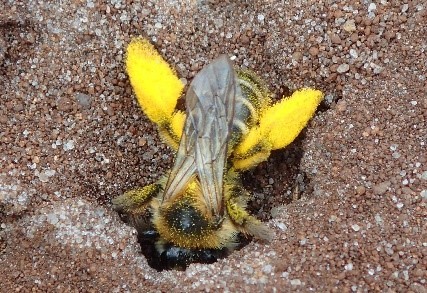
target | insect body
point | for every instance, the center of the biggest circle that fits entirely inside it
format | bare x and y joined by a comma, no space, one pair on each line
198,213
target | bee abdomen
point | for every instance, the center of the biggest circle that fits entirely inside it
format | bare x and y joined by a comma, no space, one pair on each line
254,97
254,90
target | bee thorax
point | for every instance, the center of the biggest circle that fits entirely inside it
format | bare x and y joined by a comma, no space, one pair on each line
187,219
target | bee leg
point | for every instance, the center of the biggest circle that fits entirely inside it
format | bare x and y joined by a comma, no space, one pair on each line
155,83
246,223
291,114
170,129
251,153
135,201
278,126
157,88
236,198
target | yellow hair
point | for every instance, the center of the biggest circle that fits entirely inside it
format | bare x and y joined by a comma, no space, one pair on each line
278,126
282,122
156,86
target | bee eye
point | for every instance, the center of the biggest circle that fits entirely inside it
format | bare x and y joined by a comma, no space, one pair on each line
149,235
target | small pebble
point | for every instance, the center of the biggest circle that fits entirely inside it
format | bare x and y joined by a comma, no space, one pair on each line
343,68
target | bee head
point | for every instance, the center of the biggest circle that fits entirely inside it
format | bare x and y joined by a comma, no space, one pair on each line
174,257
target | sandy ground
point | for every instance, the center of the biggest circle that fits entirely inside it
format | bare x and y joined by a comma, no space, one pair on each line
73,137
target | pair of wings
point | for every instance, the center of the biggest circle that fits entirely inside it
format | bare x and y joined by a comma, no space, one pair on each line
212,100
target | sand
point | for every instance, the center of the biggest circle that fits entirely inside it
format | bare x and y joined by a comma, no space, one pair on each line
73,137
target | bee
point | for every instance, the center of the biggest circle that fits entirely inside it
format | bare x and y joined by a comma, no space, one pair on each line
198,213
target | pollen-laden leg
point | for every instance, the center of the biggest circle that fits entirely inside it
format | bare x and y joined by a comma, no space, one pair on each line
157,88
170,130
236,198
278,125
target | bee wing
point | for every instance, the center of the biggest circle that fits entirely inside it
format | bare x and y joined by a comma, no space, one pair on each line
184,167
211,103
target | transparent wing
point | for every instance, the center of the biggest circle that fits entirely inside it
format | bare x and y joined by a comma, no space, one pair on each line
184,167
211,104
